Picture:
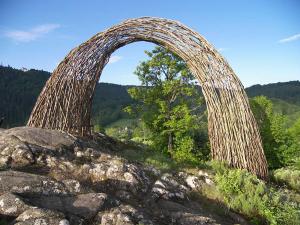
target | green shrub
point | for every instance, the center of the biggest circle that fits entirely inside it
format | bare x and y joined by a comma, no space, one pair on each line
297,163
281,145
120,133
246,194
288,176
183,152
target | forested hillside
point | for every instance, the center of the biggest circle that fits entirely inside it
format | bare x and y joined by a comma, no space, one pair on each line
287,91
108,104
19,91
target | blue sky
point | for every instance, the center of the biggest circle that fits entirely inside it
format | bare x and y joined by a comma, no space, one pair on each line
260,39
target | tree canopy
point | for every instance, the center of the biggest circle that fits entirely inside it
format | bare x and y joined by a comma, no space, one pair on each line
166,102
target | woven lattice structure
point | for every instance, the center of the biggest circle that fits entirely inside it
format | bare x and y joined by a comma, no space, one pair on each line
66,100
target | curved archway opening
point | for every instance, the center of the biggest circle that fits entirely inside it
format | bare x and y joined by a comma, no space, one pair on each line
120,112
123,62
66,100
110,99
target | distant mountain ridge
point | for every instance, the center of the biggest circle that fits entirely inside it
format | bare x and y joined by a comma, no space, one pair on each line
287,91
19,90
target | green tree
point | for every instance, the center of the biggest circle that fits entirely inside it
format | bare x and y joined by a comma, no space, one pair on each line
164,102
294,132
279,145
99,128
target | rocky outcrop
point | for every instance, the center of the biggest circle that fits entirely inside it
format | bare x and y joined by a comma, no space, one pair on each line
50,177
36,216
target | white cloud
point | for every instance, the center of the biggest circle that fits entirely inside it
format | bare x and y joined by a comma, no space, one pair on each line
291,38
31,34
222,49
114,58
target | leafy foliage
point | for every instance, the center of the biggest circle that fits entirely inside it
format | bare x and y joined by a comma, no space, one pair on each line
246,194
288,176
164,103
122,129
294,131
281,148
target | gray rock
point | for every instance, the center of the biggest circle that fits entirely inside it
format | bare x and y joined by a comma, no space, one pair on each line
168,188
193,182
179,214
84,205
5,161
84,181
92,153
124,195
73,186
23,146
36,216
42,137
12,205
20,182
22,156
122,215
119,175
14,152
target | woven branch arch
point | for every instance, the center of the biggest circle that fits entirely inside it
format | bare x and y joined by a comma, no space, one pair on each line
65,101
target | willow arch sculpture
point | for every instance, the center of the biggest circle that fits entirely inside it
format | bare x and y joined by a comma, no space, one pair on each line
65,101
